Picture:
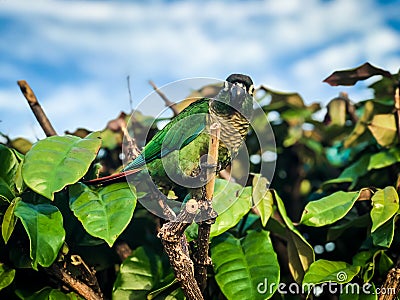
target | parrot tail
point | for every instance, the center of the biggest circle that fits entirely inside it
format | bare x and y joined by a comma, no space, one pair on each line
119,177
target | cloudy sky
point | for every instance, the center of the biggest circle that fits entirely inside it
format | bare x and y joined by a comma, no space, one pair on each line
76,55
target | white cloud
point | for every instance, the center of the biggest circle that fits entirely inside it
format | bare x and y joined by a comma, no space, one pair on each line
290,45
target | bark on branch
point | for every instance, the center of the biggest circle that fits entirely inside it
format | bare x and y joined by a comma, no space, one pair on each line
168,103
36,108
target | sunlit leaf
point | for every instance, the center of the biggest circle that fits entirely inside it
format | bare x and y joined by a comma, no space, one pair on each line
6,276
262,198
383,128
57,161
104,212
385,203
329,209
9,220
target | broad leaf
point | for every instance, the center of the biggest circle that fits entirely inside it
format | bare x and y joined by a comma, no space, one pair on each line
242,266
138,275
48,293
383,128
44,225
9,220
365,292
262,198
330,271
58,161
329,209
384,158
385,203
6,276
300,253
8,165
232,202
351,76
383,235
104,212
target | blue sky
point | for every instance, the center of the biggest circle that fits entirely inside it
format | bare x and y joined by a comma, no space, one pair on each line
76,54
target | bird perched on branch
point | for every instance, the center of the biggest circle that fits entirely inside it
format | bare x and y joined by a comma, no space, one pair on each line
176,155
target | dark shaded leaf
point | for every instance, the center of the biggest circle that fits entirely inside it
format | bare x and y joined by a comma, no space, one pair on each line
351,76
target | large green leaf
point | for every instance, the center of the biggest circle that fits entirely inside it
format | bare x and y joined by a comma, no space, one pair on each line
104,212
57,161
385,203
300,252
328,210
6,276
245,268
9,220
384,158
138,275
330,271
49,293
232,202
262,198
44,225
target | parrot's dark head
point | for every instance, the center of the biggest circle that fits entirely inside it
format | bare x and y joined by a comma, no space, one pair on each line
237,94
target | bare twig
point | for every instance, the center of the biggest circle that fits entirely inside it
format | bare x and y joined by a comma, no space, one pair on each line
78,286
207,214
168,103
129,91
36,108
175,245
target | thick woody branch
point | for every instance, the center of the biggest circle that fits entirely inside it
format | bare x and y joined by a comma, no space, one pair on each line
36,108
175,245
168,103
207,214
391,286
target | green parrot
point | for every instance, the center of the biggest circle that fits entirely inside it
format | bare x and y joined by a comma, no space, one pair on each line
176,156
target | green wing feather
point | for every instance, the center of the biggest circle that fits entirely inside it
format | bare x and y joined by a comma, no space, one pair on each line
179,132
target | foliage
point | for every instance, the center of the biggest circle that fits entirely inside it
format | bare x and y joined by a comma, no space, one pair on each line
330,217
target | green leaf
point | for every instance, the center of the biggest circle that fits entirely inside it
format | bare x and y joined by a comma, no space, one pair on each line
330,271
9,220
262,198
383,128
48,293
328,210
58,161
336,231
8,165
300,252
383,235
138,275
104,212
231,202
385,203
384,159
6,276
242,266
44,226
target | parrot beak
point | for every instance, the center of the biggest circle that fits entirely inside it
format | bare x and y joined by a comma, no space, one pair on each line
237,93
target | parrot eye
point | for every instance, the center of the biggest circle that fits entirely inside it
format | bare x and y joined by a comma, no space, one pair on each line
251,90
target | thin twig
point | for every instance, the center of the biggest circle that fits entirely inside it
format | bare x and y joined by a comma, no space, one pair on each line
207,214
36,108
78,286
129,91
168,103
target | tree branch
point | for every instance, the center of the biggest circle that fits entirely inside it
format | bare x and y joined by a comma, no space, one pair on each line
36,108
175,245
78,286
168,103
207,213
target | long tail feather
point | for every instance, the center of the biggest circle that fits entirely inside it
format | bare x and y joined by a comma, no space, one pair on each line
119,177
